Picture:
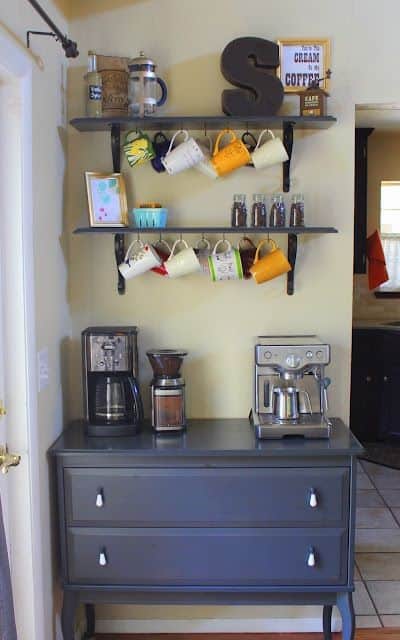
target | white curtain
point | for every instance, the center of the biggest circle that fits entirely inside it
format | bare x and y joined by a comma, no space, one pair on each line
391,248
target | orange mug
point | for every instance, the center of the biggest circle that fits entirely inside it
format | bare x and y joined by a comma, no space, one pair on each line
271,265
234,155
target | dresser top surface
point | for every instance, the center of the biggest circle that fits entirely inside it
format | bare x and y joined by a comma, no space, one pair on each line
207,437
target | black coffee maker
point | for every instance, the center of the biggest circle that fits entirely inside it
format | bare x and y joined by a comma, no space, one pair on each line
112,402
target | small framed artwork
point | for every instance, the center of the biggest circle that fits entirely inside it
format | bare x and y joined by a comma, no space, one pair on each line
303,62
106,199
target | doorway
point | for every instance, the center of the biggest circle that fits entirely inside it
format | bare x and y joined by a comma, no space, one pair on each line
18,430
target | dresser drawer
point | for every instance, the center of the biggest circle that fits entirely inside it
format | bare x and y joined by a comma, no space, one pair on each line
207,497
196,556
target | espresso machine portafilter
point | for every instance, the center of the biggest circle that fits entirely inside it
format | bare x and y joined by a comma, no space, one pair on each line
291,387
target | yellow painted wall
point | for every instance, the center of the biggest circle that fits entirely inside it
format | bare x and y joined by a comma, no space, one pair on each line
217,323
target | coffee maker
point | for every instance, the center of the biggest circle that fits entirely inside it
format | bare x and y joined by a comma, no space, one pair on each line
167,390
290,390
112,402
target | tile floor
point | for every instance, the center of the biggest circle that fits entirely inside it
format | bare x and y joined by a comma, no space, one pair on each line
377,572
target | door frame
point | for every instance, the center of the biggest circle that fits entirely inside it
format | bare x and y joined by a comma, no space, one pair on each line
18,63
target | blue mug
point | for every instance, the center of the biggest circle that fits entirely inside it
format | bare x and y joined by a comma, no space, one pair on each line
160,146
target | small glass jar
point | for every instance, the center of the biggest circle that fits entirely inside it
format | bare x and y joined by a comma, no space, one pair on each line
297,211
239,210
259,211
277,216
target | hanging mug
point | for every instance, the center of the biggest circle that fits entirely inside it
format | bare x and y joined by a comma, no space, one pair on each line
232,156
163,251
271,152
225,265
139,149
204,166
185,155
247,250
271,265
251,143
160,145
182,263
203,251
139,258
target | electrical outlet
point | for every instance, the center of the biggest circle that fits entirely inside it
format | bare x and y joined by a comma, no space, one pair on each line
43,368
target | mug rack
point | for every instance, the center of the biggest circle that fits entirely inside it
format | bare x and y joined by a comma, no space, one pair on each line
286,123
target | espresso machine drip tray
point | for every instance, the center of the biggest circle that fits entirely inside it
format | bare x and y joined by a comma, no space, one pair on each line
267,427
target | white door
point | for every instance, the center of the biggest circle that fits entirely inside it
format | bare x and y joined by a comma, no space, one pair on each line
19,489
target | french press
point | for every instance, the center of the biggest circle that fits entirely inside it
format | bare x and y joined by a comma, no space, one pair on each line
143,87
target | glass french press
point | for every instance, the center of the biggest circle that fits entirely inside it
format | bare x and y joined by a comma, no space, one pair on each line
143,87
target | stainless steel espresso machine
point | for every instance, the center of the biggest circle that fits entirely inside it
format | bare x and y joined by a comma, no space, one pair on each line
291,387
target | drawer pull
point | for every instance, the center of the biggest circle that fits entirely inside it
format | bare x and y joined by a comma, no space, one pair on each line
99,500
311,558
313,499
103,559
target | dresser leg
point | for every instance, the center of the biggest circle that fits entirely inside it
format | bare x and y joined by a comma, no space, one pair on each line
327,621
68,615
345,606
90,621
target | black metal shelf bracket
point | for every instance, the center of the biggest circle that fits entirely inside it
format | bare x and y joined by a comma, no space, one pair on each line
292,255
288,144
119,238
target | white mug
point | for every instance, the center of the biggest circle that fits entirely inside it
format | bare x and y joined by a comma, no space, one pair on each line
204,166
271,152
203,251
139,259
182,263
225,265
185,155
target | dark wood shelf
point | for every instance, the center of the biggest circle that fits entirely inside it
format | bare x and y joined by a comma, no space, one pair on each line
201,122
213,230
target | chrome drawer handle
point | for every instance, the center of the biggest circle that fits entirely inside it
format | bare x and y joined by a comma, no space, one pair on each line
311,558
103,559
313,499
99,500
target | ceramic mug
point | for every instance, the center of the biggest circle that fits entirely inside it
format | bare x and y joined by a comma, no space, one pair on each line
234,155
247,250
139,149
185,155
139,258
203,251
163,251
183,262
251,143
225,265
269,153
204,166
271,265
160,145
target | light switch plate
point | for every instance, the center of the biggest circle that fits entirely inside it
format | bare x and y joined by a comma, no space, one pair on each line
43,368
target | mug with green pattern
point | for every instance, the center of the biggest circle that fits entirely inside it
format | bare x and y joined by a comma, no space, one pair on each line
138,149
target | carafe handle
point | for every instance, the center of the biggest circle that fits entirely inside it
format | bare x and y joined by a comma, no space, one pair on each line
164,92
137,400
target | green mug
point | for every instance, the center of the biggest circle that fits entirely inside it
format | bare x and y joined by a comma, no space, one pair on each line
139,149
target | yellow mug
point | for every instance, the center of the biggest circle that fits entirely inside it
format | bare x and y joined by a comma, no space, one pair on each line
271,265
234,155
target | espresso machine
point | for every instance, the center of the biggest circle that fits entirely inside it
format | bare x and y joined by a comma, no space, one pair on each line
167,390
112,402
290,390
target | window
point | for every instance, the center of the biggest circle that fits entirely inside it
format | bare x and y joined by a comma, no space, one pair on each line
390,232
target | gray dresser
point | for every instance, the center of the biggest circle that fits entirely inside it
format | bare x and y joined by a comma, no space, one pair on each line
209,516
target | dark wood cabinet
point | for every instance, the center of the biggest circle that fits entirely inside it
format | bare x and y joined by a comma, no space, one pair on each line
375,384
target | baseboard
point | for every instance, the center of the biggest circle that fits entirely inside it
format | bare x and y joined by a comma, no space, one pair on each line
220,625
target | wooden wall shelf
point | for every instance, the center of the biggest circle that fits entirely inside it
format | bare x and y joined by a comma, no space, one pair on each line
213,230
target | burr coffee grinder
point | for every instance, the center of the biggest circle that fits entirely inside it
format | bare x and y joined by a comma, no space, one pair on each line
167,390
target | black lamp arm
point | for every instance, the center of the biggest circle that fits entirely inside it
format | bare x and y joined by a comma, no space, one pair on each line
70,47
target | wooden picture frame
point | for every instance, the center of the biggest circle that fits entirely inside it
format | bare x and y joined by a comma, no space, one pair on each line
302,61
107,201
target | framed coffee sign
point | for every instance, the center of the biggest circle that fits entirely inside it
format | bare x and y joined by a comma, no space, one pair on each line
303,62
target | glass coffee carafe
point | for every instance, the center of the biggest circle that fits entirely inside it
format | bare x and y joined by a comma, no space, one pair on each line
167,390
143,83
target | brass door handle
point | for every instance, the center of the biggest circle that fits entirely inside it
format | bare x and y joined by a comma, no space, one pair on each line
8,460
